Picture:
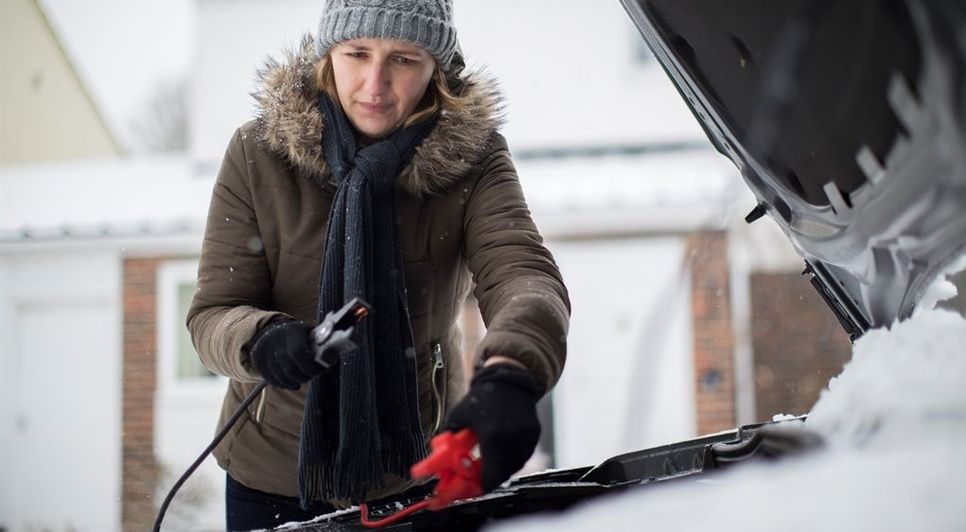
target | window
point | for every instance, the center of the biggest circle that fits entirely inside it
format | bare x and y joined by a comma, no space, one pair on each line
178,363
188,365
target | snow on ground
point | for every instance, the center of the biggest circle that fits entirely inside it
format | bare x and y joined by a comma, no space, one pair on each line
895,423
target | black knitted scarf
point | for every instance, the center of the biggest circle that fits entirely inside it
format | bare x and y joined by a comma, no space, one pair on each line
361,421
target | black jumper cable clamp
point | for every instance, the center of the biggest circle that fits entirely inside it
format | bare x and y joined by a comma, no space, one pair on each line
330,339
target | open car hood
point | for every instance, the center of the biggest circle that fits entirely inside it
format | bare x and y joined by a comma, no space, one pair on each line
848,122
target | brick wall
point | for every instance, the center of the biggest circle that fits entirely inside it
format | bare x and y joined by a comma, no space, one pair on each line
139,468
712,331
797,342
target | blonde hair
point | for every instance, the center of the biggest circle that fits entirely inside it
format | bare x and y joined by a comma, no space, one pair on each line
438,95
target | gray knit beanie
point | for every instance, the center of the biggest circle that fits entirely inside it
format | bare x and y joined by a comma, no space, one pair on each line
425,23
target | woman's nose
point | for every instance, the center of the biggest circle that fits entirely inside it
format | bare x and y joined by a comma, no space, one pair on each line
377,79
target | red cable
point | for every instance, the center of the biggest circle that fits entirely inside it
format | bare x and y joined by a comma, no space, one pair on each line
364,510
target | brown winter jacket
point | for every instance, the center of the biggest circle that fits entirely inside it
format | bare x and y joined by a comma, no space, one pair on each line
463,221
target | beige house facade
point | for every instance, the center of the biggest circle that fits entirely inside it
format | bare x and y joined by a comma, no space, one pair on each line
46,114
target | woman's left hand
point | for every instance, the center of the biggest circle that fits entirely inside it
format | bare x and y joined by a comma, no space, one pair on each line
501,408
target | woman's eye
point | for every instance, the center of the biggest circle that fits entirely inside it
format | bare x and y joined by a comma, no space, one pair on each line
357,55
402,60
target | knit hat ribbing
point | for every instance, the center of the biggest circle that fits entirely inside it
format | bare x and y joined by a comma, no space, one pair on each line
425,23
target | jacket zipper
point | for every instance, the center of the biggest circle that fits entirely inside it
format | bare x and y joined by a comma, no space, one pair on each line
260,409
439,388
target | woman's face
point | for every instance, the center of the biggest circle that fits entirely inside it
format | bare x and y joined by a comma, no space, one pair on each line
380,82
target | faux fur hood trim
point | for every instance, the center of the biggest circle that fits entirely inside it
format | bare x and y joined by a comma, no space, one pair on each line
289,124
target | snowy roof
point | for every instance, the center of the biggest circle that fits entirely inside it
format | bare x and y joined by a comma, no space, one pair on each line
97,198
569,196
679,190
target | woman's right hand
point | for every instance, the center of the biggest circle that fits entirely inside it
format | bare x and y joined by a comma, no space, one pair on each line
283,354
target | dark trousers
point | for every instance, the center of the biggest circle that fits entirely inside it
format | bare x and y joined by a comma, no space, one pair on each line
251,509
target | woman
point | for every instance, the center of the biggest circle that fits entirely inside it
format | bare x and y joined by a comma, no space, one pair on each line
374,169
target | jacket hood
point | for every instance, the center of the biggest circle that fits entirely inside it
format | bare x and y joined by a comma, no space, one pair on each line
289,124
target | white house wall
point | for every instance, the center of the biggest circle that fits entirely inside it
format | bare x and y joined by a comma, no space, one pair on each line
628,382
60,391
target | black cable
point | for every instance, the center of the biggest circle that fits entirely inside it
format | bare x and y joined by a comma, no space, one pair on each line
204,454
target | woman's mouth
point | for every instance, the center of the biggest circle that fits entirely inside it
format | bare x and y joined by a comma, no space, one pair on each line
375,108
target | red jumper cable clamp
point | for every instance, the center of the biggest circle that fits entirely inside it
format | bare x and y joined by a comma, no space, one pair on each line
458,470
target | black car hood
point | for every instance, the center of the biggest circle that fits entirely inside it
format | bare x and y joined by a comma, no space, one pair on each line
848,122
562,489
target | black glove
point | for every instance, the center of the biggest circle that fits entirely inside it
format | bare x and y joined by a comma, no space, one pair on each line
501,408
283,354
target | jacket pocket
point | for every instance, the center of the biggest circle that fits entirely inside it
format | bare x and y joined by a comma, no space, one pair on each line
438,385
